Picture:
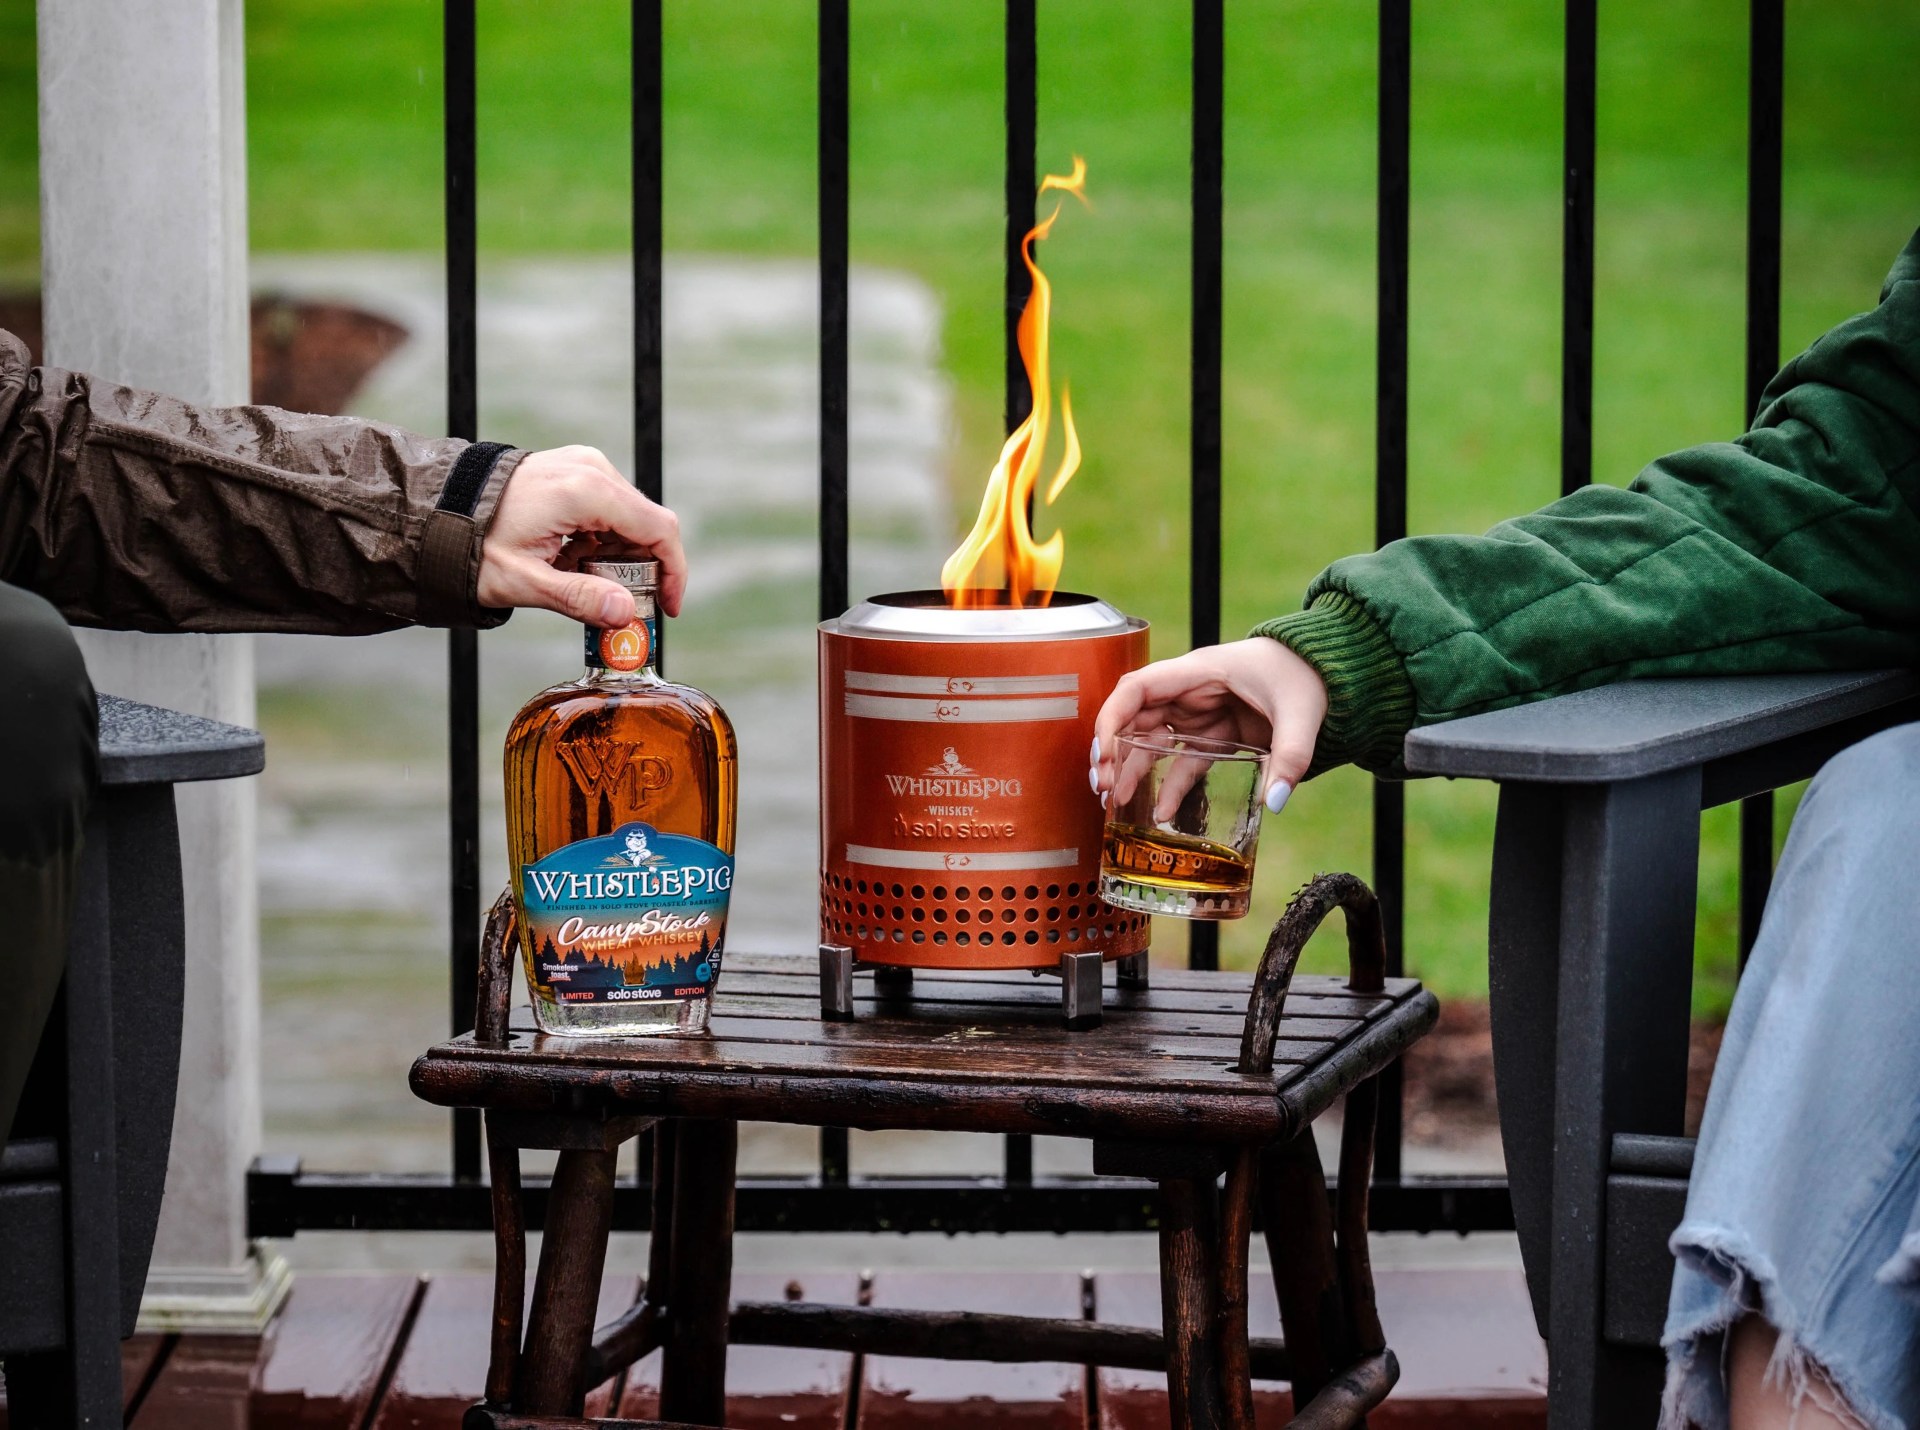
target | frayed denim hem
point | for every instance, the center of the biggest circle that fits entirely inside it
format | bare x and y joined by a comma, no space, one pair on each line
1696,1338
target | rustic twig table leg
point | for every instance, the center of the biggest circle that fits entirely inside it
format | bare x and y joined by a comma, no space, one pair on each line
1299,1230
566,1293
1189,1301
693,1372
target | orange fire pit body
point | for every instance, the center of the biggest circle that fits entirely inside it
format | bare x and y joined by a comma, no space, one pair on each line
956,826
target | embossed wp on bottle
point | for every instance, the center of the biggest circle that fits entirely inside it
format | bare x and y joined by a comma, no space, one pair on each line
621,794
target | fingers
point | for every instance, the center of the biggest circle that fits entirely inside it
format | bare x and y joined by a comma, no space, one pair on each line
614,506
591,600
570,505
1287,760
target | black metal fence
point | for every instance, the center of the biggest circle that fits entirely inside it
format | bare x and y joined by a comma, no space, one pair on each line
283,1199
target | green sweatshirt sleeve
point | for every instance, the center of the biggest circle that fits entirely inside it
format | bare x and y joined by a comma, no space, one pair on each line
1795,548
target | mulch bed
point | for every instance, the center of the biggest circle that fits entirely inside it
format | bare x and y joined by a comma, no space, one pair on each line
307,357
1450,1076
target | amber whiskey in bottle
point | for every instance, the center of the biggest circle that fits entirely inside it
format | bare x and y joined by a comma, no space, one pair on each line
621,794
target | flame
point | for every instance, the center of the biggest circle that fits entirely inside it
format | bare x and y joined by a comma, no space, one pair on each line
1031,569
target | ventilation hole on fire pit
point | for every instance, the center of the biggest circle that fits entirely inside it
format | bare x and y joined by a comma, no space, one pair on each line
939,916
863,931
919,914
898,912
1033,891
939,937
1073,935
1032,915
1007,916
1032,937
1053,913
919,935
960,891
1073,891
1053,935
1073,911
963,939
898,892
1007,937
961,916
986,893
919,892
1053,892
1008,893
899,935
863,886
939,891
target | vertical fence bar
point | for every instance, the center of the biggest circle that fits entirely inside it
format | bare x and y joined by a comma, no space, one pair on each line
1203,432
833,185
1022,178
463,646
833,198
1765,104
644,126
1390,488
1023,111
1576,262
647,199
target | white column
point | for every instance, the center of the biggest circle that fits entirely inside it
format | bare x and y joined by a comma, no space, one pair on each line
144,257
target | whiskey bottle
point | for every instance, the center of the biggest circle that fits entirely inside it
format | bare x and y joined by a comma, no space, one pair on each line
621,792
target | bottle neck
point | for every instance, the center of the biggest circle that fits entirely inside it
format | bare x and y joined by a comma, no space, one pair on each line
629,652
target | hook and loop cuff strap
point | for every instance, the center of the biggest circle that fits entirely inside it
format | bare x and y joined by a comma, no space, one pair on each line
449,561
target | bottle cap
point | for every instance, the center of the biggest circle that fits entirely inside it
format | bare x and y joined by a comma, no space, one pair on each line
636,576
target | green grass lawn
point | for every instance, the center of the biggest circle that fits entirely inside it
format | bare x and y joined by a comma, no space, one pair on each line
344,139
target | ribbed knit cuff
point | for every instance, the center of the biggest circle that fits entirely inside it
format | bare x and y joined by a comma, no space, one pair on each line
1370,704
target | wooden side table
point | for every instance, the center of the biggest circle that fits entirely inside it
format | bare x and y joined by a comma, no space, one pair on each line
1204,1074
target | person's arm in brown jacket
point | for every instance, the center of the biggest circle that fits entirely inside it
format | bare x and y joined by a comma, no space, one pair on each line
134,511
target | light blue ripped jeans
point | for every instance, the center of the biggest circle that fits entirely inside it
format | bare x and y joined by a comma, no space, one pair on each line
1805,1200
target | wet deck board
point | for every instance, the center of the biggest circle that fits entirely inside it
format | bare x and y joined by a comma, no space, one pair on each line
443,1367
899,1392
326,1357
1465,1339
770,1387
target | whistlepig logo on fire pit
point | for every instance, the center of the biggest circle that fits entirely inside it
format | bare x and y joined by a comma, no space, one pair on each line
952,778
950,765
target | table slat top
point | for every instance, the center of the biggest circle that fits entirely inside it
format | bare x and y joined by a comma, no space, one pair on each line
989,1040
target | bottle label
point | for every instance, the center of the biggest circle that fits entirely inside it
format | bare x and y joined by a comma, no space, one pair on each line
625,647
631,916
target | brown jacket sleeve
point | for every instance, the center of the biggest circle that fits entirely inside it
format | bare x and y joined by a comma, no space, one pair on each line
134,511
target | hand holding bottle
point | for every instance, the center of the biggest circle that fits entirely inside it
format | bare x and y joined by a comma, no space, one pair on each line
562,508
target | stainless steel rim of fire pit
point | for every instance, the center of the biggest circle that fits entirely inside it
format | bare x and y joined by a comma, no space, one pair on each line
925,616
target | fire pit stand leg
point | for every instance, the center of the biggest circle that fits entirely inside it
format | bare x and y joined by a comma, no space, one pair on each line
1080,990
836,983
1131,971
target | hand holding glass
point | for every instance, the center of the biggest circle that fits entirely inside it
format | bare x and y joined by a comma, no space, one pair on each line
1183,822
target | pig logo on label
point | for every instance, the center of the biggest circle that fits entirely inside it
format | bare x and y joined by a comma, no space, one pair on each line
636,853
959,685
949,765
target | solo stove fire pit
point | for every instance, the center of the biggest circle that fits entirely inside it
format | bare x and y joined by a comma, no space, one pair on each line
957,831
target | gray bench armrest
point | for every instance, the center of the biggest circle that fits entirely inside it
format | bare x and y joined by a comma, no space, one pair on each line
1647,727
144,744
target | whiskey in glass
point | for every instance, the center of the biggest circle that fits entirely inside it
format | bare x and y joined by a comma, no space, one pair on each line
1183,824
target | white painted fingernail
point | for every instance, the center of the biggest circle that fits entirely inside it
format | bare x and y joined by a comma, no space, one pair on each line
1277,795
1093,755
1093,780
1103,801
